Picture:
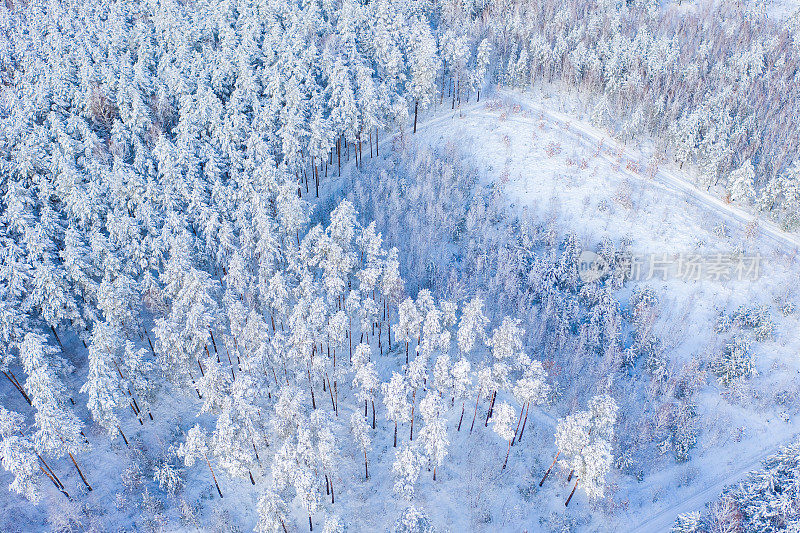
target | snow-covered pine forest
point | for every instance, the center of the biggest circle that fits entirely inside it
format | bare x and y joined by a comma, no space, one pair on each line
245,285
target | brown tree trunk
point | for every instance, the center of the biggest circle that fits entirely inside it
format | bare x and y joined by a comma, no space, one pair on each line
19,388
549,469
79,472
527,410
566,503
413,402
213,476
491,406
57,338
462,416
475,414
123,435
60,489
521,411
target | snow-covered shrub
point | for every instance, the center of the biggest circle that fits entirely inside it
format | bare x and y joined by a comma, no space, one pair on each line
412,520
735,362
168,477
690,522
684,432
766,500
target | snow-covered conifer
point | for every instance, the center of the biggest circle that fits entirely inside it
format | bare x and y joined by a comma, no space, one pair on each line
406,468
362,437
433,435
504,425
194,447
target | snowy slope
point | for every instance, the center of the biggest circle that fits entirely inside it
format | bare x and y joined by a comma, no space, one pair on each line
552,166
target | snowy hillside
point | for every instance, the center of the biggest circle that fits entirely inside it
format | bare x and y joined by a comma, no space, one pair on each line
555,169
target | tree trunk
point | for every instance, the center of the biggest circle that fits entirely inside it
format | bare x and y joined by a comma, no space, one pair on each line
123,435
521,411
330,391
16,386
462,416
395,434
475,414
60,489
566,503
366,468
416,106
55,477
569,477
213,476
549,469
527,410
489,412
214,343
310,524
373,414
57,338
79,472
311,386
252,481
413,402
508,450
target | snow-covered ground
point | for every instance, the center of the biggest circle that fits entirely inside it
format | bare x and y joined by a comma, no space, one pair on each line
553,166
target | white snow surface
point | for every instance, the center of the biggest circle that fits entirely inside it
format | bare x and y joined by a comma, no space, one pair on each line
597,187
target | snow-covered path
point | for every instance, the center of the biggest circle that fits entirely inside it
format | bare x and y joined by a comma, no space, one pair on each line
591,136
663,519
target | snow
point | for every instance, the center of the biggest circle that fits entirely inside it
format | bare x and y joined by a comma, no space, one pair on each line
552,166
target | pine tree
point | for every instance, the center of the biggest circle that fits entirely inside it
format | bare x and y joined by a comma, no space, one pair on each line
272,513
395,397
504,426
196,447
104,384
409,324
741,183
362,437
18,457
471,326
406,468
433,435
58,429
